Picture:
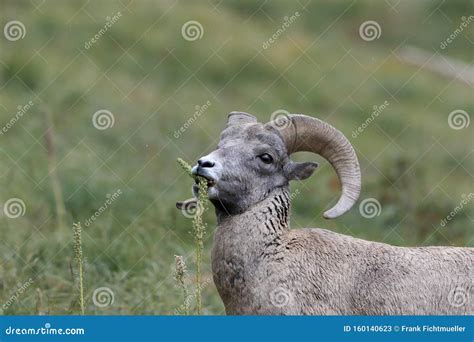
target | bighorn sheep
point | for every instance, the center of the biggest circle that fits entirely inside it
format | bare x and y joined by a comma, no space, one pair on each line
262,267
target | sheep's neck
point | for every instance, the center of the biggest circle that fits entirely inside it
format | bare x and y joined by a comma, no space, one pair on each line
264,221
274,212
242,242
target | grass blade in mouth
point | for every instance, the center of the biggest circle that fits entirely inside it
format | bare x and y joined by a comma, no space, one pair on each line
199,228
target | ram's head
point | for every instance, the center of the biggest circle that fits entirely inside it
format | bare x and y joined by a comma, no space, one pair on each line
252,159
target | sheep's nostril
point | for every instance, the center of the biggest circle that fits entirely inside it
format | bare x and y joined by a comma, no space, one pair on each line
206,163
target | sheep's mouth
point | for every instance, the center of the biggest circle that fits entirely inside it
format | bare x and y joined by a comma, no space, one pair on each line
210,181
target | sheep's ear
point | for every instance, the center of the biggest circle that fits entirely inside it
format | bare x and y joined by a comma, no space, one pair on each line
300,171
188,204
238,118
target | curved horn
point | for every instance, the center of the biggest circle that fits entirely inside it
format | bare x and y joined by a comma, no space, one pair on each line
238,118
305,133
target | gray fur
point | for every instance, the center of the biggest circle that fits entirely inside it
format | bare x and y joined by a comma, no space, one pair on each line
263,267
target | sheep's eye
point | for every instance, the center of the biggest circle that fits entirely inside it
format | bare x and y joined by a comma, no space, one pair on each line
266,158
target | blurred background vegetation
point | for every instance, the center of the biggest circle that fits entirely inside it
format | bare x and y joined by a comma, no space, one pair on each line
152,79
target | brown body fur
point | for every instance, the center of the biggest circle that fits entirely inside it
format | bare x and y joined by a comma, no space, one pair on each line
262,267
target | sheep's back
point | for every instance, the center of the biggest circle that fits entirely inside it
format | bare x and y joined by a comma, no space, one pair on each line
375,278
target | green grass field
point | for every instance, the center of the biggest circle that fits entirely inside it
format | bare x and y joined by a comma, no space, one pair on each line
153,81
